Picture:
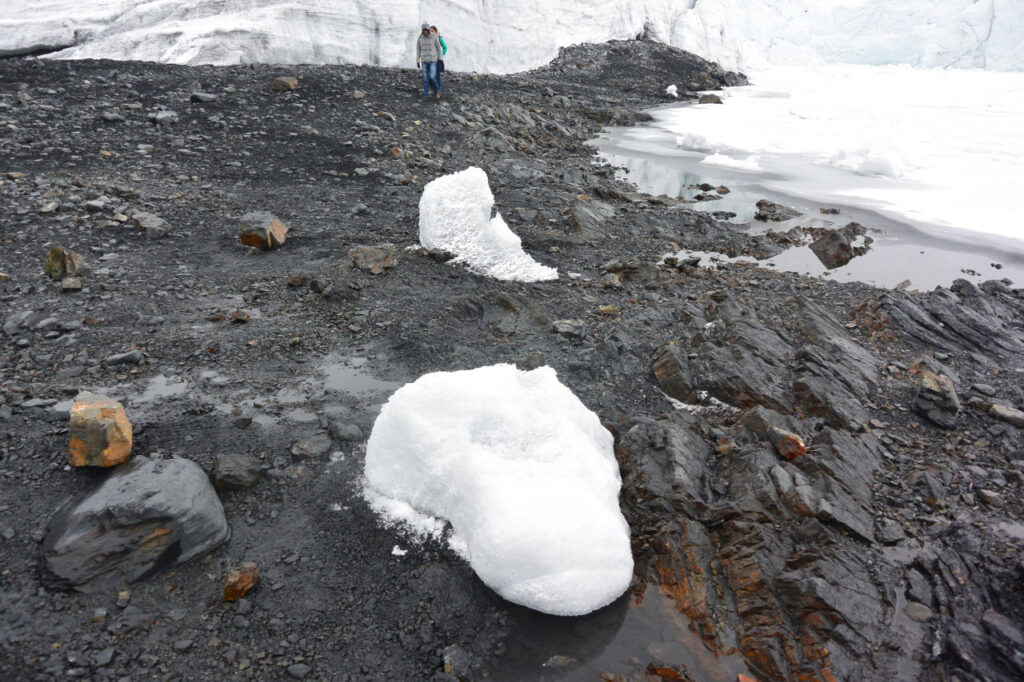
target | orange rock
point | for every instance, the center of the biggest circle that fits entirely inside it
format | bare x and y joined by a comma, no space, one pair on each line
787,444
744,678
101,435
285,83
262,229
61,263
237,583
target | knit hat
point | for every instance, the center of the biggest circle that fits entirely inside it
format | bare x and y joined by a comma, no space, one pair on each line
425,27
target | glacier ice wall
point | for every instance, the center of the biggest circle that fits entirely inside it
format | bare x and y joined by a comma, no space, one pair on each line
515,35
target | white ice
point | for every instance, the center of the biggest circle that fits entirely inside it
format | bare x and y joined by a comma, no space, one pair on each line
455,215
501,37
750,163
672,90
524,472
936,148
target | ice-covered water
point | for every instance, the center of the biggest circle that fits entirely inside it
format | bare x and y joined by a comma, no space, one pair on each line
929,157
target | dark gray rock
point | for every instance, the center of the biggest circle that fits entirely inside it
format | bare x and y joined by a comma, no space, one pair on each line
312,447
345,431
962,317
590,218
666,461
768,211
133,357
1006,639
298,671
836,248
147,515
236,472
507,313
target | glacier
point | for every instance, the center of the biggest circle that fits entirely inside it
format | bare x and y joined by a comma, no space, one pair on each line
491,37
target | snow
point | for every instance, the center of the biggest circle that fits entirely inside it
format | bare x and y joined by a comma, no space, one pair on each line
524,472
672,90
502,37
749,163
455,215
938,149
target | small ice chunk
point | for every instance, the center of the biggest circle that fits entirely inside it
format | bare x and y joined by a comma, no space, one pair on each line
694,142
751,163
455,215
524,473
672,90
398,551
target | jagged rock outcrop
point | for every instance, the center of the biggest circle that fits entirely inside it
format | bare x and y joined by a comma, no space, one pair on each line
739,360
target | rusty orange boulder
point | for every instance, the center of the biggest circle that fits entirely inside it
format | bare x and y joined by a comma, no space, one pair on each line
285,83
238,583
262,230
101,435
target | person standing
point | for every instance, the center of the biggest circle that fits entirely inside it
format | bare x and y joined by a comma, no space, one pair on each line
428,54
440,63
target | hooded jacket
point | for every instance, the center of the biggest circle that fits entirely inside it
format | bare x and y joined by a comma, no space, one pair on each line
428,48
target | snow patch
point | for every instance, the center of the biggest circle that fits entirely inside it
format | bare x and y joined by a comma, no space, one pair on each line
455,215
672,90
524,472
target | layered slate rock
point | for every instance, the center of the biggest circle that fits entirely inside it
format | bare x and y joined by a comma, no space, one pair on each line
965,317
936,399
100,433
146,516
589,216
770,556
816,371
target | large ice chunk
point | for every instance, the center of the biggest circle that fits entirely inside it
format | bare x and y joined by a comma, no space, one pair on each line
455,215
525,474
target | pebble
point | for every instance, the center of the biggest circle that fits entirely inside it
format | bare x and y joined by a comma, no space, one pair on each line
991,498
298,671
918,612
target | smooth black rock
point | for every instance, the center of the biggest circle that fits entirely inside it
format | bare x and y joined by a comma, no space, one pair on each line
147,515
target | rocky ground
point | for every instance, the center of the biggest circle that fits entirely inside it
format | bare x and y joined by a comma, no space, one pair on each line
832,492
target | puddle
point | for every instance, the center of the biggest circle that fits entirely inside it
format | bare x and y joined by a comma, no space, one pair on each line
213,378
299,416
290,396
617,640
245,409
351,376
1012,529
924,254
161,387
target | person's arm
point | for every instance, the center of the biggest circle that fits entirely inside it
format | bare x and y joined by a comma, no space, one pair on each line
444,46
419,50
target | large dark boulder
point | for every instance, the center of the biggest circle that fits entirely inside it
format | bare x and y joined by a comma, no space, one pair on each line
147,515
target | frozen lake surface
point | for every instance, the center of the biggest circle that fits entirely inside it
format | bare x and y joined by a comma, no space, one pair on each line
930,158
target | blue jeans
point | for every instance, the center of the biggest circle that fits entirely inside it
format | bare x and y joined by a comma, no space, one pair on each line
431,79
